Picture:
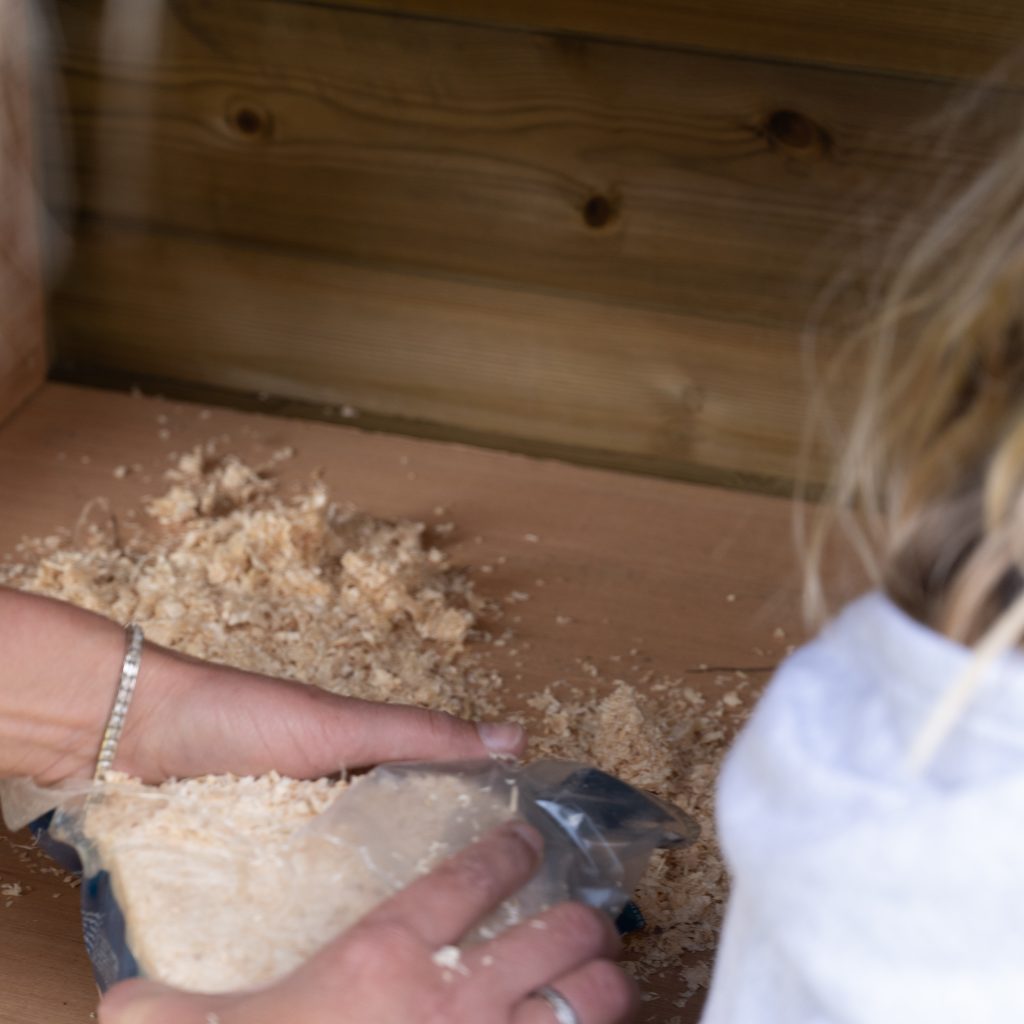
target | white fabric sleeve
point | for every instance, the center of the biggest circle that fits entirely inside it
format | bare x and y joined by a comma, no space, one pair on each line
862,895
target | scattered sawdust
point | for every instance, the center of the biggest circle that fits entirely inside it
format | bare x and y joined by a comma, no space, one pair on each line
668,738
37,862
10,891
230,569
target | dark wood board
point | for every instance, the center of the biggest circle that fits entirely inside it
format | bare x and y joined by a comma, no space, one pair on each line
932,38
582,242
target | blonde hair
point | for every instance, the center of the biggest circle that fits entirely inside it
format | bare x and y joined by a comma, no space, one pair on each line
928,487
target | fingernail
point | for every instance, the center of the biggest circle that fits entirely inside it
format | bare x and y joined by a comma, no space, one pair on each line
501,737
529,835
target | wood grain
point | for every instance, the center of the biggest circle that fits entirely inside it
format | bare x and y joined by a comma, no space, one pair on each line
934,38
22,346
641,565
598,246
46,973
719,187
698,396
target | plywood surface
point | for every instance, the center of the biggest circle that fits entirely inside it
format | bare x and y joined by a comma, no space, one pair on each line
638,564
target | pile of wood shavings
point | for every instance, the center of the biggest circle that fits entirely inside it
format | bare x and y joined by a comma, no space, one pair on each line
168,847
289,877
230,570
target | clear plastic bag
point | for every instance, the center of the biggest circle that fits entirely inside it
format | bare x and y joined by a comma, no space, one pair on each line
389,827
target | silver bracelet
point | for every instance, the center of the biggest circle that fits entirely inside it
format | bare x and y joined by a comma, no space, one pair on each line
122,701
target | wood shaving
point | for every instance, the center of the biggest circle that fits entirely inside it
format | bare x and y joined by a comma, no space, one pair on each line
225,567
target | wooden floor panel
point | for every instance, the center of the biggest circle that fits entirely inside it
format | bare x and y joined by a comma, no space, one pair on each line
690,576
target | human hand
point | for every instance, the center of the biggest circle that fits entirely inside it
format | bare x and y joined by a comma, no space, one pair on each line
188,717
384,970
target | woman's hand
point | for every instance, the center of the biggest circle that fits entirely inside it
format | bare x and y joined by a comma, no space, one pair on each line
385,969
60,673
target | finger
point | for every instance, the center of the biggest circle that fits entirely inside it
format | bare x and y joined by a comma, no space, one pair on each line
442,906
554,943
217,719
145,1002
374,733
599,993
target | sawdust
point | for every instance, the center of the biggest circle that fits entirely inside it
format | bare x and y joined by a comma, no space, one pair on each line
226,567
288,875
668,738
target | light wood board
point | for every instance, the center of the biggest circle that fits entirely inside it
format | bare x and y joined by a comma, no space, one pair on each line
638,564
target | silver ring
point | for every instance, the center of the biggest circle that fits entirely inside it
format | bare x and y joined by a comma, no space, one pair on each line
560,1006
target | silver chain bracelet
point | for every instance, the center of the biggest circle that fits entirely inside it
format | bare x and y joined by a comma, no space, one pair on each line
122,700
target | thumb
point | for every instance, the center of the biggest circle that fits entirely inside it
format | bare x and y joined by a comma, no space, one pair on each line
146,1002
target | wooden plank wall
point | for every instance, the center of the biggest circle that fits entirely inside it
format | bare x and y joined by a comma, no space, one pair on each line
590,228
22,342
933,38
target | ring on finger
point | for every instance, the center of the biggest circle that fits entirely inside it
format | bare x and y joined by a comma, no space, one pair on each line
560,1006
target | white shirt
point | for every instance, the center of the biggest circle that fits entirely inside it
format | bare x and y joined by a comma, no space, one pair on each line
861,895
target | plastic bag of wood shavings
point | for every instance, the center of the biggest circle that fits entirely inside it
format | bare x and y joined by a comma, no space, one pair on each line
223,883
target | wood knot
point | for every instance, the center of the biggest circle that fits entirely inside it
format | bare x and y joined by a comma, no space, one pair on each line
598,211
795,133
249,121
